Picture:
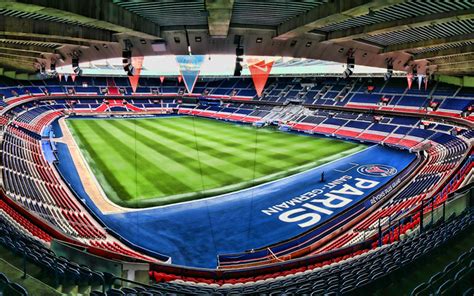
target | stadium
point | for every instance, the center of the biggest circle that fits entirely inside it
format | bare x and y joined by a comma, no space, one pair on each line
236,147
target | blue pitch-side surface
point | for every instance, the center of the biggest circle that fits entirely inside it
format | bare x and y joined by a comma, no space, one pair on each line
56,128
193,233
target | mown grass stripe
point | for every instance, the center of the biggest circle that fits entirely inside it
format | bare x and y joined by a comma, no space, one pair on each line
84,142
128,153
274,141
167,164
119,164
233,148
208,152
173,151
152,157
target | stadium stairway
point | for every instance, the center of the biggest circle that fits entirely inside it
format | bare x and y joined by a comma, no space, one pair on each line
112,88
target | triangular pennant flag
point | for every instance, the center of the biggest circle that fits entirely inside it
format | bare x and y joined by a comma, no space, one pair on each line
162,78
426,82
137,63
73,77
420,80
409,79
66,76
260,72
190,78
189,67
180,78
60,76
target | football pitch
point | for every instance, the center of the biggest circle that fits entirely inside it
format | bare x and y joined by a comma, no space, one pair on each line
155,161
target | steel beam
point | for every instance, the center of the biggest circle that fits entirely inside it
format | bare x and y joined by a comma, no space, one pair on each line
102,14
429,43
27,47
445,52
26,28
399,25
21,52
329,13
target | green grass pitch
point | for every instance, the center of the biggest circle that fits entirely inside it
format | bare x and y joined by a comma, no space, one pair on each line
156,161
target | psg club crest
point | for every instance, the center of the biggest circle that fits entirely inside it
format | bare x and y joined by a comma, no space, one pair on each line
377,170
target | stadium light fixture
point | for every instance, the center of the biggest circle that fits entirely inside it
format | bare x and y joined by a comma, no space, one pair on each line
78,71
239,53
75,62
347,73
127,54
75,66
238,69
129,69
389,73
350,63
127,62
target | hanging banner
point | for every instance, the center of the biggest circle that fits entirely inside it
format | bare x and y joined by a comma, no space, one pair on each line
189,67
73,77
260,72
162,78
179,78
137,63
409,79
60,76
426,82
420,80
66,76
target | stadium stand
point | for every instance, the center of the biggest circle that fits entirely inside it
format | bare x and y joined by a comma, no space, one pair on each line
30,180
24,164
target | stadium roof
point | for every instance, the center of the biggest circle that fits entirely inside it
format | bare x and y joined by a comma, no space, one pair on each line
433,36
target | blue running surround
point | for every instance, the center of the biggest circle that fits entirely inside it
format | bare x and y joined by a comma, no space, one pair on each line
195,233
